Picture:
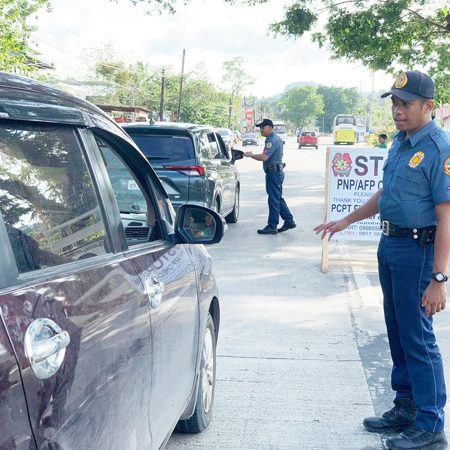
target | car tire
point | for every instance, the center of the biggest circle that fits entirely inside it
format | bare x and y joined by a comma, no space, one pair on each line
203,412
233,217
299,146
317,147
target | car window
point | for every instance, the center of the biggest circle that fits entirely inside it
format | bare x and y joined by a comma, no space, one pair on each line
345,119
165,148
204,145
136,209
214,147
47,199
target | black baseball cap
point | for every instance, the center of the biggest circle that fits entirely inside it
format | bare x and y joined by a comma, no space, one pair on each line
264,123
411,85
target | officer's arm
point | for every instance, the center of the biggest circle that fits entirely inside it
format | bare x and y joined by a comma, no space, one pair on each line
434,297
442,239
369,209
258,157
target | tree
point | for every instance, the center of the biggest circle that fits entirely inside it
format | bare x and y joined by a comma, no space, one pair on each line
15,33
118,83
237,80
301,106
385,35
337,100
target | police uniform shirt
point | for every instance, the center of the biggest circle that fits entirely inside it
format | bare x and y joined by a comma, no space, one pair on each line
273,148
416,177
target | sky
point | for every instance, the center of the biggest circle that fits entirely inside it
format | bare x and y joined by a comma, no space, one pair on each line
211,32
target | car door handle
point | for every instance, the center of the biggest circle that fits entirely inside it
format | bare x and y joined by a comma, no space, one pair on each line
154,289
45,347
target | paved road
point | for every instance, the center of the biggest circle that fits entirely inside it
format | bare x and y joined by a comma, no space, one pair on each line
302,356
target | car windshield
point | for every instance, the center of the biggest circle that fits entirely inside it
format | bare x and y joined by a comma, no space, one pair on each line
224,132
279,128
250,135
165,148
308,133
345,119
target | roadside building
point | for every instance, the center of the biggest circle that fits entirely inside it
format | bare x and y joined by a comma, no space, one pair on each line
123,114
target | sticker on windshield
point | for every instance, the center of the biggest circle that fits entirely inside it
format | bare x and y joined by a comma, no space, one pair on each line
132,185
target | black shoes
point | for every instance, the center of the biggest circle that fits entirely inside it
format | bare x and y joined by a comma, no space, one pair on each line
287,226
400,417
267,230
415,438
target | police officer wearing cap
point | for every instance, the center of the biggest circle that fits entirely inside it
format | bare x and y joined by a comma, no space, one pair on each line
272,158
413,255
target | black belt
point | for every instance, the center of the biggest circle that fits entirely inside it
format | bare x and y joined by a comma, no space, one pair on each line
424,235
274,167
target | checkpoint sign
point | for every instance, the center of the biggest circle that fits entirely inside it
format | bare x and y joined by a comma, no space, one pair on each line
354,175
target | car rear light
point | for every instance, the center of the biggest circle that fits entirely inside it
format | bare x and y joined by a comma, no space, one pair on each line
188,170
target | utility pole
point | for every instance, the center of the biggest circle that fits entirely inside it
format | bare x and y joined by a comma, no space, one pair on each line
161,103
230,110
181,85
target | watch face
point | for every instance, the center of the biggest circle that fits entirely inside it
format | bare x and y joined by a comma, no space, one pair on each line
439,276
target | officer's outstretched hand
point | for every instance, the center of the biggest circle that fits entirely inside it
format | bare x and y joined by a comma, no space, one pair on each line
331,227
434,298
248,154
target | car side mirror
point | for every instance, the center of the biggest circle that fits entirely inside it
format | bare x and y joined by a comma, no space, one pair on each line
236,154
197,224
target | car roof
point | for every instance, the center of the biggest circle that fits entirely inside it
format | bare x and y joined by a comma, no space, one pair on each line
164,126
26,99
16,84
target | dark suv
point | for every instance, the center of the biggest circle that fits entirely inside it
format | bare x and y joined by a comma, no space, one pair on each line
193,164
109,317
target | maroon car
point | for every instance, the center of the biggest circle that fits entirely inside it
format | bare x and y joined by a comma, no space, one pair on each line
109,316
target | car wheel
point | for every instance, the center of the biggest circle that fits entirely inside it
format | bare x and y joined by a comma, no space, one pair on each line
299,146
234,215
317,147
202,416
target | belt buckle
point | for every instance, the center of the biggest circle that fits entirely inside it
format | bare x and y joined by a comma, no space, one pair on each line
385,227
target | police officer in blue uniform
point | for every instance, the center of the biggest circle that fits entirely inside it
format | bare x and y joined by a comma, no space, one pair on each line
413,255
272,158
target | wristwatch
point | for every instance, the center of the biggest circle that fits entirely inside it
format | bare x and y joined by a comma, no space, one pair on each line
439,277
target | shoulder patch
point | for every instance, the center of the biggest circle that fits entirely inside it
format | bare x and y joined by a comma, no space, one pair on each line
447,166
269,145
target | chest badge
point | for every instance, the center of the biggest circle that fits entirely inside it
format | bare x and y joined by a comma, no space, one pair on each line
416,160
447,166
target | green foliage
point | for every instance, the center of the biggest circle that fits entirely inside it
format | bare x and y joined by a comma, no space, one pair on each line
138,84
298,19
301,106
337,101
235,76
383,35
15,33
